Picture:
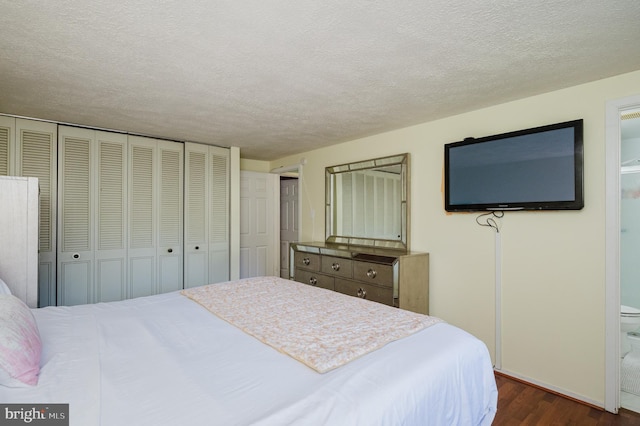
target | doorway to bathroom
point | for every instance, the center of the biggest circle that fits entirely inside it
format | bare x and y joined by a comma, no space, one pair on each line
629,254
622,387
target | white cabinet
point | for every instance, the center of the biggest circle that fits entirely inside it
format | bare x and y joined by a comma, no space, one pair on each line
29,148
206,231
19,237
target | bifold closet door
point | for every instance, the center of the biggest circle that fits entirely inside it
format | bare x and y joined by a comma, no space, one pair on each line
7,144
219,202
29,148
155,216
36,156
196,267
92,250
207,214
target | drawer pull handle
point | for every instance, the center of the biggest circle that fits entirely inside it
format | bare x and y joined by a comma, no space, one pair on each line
76,255
313,281
306,261
170,250
335,267
371,273
362,293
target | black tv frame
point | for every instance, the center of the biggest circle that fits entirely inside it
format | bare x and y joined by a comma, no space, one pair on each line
576,204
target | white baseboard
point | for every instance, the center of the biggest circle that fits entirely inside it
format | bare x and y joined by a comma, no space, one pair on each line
553,389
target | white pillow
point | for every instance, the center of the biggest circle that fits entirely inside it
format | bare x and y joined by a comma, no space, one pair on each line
20,344
4,289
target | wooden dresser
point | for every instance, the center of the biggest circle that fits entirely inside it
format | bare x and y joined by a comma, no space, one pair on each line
395,278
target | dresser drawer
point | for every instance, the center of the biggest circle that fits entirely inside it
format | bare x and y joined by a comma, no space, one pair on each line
305,260
314,279
374,273
365,291
338,266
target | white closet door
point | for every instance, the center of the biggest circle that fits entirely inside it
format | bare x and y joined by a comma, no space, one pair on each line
7,142
207,214
142,220
76,220
196,217
36,156
155,216
219,242
110,231
170,220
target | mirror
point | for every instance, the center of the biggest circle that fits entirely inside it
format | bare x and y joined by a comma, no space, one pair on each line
366,203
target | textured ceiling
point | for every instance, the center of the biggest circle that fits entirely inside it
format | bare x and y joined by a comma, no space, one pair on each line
277,78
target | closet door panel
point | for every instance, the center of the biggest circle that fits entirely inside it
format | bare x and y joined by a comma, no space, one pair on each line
7,142
155,215
36,150
219,214
74,279
142,220
110,232
196,218
170,220
76,221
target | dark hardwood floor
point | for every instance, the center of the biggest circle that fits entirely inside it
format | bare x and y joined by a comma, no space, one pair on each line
521,404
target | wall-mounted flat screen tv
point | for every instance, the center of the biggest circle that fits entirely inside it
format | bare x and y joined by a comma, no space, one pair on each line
533,169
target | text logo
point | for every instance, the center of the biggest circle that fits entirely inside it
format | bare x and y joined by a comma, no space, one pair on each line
34,414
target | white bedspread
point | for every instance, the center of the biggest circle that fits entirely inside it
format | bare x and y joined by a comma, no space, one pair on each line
165,360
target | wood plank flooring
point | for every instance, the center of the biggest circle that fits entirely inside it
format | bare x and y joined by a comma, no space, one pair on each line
520,404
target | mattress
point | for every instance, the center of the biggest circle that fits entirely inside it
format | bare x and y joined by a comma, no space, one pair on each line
166,360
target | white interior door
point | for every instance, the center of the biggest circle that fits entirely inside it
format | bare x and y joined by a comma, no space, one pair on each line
288,221
258,230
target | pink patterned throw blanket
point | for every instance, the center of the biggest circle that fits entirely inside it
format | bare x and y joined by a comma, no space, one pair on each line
320,328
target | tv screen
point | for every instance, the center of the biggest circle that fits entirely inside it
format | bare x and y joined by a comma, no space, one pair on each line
533,169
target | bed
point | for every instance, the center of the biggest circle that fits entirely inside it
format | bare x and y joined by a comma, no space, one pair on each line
172,359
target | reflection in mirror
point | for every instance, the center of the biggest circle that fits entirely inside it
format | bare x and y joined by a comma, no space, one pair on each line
366,203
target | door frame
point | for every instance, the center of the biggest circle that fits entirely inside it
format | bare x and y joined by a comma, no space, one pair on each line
614,109
294,168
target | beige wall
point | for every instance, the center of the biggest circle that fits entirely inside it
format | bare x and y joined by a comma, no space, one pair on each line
553,263
254,165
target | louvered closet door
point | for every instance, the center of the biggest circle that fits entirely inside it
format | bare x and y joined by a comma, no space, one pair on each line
170,220
155,216
196,225
207,214
76,216
219,214
142,220
36,152
110,231
7,142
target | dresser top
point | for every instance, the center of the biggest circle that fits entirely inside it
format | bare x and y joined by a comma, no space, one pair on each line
378,254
